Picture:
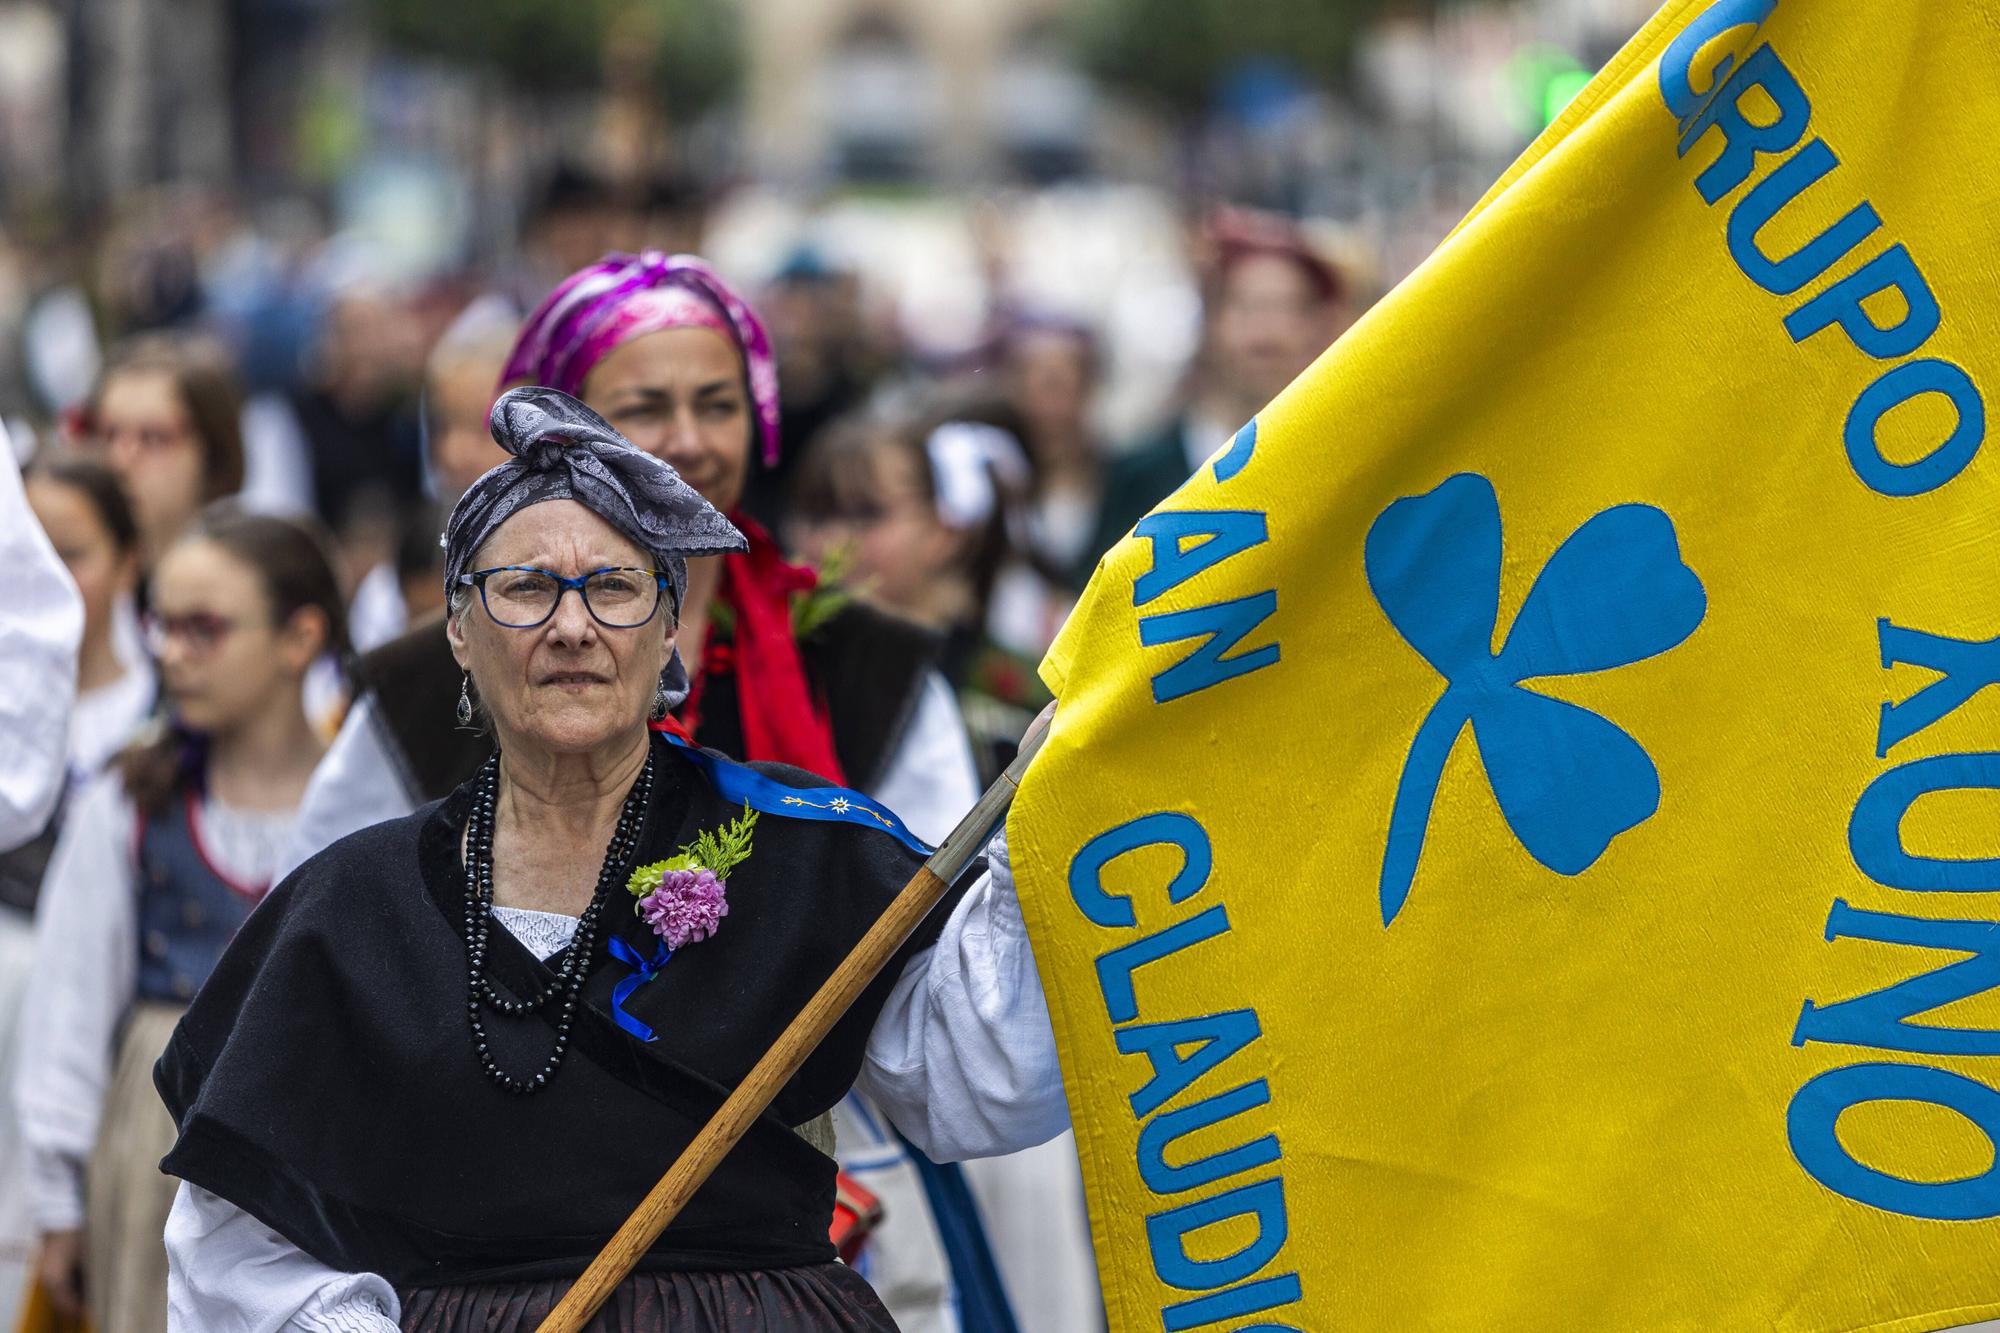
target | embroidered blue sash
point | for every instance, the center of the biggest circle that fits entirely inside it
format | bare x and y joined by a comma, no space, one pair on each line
746,786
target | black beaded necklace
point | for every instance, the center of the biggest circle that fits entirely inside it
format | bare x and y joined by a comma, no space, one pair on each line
568,983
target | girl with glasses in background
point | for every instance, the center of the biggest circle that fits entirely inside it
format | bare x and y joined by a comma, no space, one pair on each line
159,862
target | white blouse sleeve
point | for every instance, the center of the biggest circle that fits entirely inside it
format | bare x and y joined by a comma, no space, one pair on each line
41,624
85,974
355,784
931,781
962,1057
229,1273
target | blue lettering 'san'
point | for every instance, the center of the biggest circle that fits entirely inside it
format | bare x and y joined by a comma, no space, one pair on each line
1881,1019
1222,626
1677,65
1771,196
1964,667
1165,829
1167,1234
1875,836
1241,449
1744,140
1898,386
1816,1109
1891,271
1215,1037
1115,969
1164,1130
1217,534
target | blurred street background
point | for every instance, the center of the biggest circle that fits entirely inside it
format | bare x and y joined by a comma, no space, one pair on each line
322,182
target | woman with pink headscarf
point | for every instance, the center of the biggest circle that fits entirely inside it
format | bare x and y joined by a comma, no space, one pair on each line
781,670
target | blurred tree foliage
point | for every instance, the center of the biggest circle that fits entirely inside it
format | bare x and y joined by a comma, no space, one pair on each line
540,47
1175,53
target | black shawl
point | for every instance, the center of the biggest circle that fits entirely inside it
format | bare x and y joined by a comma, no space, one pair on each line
324,1079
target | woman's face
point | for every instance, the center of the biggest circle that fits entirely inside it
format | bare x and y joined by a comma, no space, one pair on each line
569,685
143,433
678,394
102,572
223,659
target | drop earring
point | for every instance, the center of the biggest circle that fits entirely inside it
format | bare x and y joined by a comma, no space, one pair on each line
660,702
465,702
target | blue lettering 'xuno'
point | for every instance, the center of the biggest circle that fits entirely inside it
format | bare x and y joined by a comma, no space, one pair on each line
1881,1019
1875,829
1964,667
1816,1110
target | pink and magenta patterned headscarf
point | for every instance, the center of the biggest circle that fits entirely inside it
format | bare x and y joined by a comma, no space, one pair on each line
622,297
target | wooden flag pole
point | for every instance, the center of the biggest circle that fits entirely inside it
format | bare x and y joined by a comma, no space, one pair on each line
805,1032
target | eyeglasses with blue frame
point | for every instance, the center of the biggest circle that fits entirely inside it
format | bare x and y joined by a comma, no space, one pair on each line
524,597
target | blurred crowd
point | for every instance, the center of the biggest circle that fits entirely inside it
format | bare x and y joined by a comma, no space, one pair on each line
240,434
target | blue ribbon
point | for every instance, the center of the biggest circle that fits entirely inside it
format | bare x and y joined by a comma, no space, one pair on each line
644,971
746,786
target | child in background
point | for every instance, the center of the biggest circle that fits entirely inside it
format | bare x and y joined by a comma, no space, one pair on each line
922,516
157,864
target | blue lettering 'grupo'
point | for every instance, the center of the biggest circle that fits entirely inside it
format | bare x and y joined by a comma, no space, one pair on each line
1165,1130
1677,64
1167,1235
1900,385
1875,836
1167,828
1221,627
1964,667
1770,197
1217,534
1220,1036
1880,1019
1841,304
1115,969
1816,1110
1745,140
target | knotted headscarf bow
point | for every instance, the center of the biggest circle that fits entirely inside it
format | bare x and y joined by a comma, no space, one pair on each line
564,451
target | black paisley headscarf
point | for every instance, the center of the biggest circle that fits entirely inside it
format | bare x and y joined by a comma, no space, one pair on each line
564,451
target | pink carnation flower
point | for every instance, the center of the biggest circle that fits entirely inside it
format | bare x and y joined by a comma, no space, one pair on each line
688,905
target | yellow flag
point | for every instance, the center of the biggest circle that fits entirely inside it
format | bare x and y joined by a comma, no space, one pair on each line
1518,847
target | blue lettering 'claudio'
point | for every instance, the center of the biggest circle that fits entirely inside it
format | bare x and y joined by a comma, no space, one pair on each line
1189,1072
1615,592
1879,300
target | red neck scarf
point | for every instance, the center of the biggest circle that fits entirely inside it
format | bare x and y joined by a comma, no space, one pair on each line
784,719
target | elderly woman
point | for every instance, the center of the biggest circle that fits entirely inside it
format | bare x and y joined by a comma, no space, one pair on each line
438,1068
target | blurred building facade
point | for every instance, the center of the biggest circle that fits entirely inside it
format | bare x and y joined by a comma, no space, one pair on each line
910,90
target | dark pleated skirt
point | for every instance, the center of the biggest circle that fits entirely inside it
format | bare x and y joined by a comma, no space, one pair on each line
822,1298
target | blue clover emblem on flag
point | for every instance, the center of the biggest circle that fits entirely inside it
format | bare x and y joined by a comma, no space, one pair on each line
1615,592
